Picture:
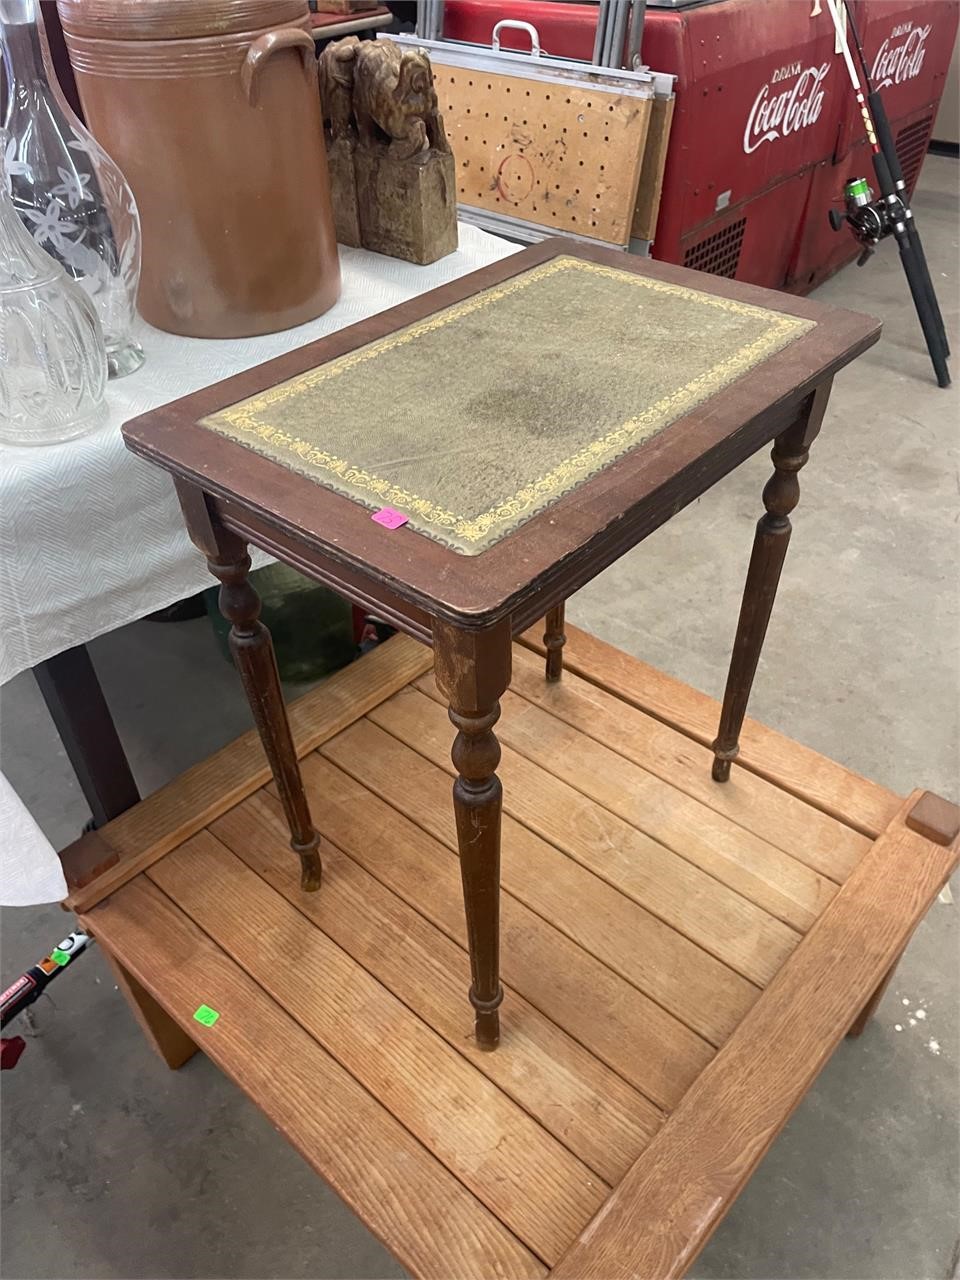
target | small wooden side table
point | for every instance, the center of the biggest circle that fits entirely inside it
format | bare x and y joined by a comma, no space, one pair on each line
532,422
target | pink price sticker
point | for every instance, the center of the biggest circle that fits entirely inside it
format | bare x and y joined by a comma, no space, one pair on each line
389,518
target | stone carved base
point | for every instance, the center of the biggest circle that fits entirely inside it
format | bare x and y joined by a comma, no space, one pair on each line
408,208
343,191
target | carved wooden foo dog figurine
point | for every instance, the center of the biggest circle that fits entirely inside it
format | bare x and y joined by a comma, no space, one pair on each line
391,169
336,68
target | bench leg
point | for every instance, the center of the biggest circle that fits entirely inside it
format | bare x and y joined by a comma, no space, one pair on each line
172,1044
554,639
472,671
870,1008
780,496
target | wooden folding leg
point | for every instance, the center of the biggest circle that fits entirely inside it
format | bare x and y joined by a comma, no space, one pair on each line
472,671
172,1044
554,640
780,496
252,650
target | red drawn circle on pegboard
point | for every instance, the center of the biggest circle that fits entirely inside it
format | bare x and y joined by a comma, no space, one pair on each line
515,178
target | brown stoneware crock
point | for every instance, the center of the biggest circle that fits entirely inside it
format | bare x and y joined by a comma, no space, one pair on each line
210,108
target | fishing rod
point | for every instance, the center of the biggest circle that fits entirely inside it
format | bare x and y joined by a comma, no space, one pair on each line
873,220
885,138
31,985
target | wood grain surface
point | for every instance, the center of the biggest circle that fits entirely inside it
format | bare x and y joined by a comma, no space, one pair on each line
185,806
661,1023
667,1206
745,862
584,1104
688,899
819,782
533,1184
820,841
698,989
625,1029
650,186
426,1216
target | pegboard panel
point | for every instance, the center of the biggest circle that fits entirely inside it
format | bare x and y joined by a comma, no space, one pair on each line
565,156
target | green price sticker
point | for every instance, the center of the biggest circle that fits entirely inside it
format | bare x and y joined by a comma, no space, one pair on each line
60,957
206,1015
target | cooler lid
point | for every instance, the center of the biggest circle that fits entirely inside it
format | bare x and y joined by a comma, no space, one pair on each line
175,19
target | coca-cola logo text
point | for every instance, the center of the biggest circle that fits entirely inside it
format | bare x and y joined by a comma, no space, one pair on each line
788,112
895,63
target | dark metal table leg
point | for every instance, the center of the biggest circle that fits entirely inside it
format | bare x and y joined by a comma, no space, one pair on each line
79,710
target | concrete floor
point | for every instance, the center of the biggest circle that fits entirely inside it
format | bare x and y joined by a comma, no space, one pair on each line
116,1167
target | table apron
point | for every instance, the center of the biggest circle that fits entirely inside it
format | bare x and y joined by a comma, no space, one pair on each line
658,506
358,587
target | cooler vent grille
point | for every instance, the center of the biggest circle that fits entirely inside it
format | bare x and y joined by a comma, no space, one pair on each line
719,254
912,147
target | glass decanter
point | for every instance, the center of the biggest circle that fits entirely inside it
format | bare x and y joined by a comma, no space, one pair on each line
69,194
53,364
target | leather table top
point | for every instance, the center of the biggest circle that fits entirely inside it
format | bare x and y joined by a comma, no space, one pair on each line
479,416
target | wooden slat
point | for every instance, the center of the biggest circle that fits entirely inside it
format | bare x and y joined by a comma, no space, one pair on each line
721,921
185,806
694,986
852,799
751,866
618,1024
581,1102
666,1208
812,837
403,1193
523,1175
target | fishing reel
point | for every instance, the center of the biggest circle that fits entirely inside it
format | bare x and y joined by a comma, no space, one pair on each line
870,220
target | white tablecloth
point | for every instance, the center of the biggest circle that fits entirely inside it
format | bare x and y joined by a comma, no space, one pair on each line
91,538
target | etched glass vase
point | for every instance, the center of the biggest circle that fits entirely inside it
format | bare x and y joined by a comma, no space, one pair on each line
53,365
69,194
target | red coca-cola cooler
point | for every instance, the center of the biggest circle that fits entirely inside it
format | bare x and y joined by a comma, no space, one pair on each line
759,95
765,126
908,48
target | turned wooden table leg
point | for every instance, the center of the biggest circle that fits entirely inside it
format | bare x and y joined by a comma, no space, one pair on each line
252,650
472,671
780,495
554,639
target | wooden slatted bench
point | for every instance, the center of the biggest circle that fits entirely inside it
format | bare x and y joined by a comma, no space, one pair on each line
681,957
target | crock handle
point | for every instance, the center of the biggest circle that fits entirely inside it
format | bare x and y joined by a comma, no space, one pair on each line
268,44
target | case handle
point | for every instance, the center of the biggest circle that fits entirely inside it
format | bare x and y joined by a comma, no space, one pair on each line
264,47
528,27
